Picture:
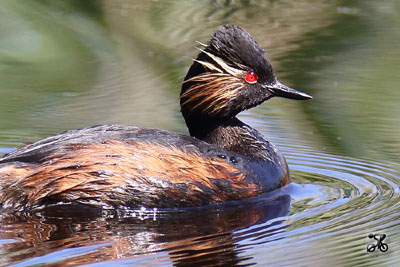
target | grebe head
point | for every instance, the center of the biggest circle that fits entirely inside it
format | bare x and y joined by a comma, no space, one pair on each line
231,74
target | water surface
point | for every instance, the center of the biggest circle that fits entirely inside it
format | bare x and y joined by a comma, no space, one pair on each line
71,64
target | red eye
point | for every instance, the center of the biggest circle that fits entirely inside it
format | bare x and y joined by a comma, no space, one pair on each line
251,77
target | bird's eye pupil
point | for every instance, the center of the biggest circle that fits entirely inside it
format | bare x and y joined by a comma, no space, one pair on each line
251,77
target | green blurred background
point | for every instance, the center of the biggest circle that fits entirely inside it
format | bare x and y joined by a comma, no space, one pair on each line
69,64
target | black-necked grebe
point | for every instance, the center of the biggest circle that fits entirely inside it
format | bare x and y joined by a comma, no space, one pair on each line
114,166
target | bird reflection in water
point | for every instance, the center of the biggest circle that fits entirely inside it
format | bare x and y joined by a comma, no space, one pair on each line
204,235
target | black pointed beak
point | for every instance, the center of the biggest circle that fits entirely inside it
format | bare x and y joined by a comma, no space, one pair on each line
279,89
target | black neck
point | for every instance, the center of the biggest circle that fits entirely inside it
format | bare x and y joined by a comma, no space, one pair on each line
232,134
201,127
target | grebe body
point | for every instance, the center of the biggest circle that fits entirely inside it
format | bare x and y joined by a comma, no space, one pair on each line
115,166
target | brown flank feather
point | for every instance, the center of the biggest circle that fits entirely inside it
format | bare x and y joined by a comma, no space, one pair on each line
95,171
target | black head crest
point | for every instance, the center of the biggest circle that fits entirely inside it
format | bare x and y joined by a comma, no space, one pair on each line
237,46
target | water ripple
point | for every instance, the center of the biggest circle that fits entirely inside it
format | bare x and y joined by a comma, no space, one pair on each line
336,202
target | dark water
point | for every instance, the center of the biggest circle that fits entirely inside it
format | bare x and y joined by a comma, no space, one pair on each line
70,64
